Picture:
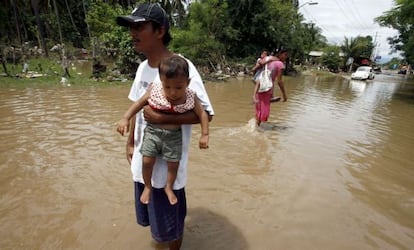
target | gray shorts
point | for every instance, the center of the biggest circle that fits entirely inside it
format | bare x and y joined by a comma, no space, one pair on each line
164,143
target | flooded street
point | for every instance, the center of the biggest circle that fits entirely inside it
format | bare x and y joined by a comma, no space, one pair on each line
334,169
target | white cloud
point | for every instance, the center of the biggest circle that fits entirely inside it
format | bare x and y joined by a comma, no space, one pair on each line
350,18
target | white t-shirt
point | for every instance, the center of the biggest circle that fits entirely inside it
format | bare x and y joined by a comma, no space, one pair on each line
144,76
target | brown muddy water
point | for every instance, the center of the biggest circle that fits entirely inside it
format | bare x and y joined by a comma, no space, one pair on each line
332,170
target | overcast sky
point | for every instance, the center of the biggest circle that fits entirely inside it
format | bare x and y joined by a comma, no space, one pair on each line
350,18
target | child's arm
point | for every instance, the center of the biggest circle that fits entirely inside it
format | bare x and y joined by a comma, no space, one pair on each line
123,124
204,120
156,117
271,59
268,59
256,67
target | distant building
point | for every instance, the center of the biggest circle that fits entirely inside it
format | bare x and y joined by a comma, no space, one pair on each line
315,53
314,56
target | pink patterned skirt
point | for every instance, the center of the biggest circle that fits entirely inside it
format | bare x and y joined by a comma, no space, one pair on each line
263,105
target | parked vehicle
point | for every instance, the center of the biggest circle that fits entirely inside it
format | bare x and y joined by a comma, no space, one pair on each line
363,73
405,70
377,69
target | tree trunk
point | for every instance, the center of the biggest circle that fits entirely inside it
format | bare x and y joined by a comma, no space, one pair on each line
42,44
3,62
16,21
87,24
71,18
58,22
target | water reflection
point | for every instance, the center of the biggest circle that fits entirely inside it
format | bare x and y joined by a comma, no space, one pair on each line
333,168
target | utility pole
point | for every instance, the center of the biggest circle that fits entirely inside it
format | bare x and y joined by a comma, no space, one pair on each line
373,52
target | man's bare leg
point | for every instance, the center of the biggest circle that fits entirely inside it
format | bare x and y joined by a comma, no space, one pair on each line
147,166
175,245
171,176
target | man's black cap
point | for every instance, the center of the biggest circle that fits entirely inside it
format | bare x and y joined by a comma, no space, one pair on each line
145,12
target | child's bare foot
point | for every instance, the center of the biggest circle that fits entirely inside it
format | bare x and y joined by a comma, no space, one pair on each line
145,195
171,196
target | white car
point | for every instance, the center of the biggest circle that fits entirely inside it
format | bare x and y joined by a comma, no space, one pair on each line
363,73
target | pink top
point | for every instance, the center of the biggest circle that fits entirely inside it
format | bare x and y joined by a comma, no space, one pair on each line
158,101
275,67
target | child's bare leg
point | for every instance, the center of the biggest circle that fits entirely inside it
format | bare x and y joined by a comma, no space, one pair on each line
171,176
147,166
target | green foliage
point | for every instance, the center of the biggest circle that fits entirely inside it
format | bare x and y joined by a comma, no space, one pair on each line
207,51
401,18
395,61
356,47
213,32
201,40
260,24
237,29
51,74
3,22
359,46
108,36
102,22
331,58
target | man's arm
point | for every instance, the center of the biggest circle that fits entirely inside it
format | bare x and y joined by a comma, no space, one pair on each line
156,117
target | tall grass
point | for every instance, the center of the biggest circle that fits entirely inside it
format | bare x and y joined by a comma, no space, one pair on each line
50,72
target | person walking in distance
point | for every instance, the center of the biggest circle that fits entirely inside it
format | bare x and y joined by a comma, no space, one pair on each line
262,100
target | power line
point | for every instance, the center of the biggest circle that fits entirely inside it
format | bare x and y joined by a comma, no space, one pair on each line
345,15
358,14
313,19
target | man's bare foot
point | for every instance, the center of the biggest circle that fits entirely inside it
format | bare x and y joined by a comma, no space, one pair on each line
171,196
145,195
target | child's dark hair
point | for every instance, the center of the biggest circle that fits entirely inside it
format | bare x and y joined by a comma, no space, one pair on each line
173,66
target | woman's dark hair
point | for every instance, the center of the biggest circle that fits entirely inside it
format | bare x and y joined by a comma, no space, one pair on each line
282,50
174,66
